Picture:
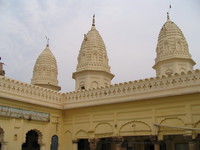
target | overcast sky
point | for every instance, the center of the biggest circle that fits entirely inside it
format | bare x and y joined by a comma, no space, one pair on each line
129,29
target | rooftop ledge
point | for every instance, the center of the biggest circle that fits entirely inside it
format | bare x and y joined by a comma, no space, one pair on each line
177,84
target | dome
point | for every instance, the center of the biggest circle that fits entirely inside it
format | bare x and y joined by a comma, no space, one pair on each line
92,70
172,51
93,55
45,70
171,43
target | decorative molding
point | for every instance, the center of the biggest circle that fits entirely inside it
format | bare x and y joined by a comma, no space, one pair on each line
177,84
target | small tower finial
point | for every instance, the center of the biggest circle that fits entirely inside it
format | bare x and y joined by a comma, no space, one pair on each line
93,20
168,16
169,11
47,41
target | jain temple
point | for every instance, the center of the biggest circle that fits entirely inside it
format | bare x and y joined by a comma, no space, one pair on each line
157,113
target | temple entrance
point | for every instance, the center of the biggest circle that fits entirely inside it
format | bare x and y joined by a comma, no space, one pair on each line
31,141
83,144
54,142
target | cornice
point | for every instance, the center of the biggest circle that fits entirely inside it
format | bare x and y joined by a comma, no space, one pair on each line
164,86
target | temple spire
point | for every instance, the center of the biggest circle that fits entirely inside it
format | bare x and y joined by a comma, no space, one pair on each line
93,20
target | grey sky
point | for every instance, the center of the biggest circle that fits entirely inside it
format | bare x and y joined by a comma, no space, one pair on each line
129,28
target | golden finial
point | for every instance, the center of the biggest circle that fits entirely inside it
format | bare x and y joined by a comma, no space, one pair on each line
93,20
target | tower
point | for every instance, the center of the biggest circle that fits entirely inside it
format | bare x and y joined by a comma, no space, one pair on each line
92,70
172,51
45,70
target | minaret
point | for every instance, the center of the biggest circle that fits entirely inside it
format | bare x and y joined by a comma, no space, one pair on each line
92,70
45,70
172,51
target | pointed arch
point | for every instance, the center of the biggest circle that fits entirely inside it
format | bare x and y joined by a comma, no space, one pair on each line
81,134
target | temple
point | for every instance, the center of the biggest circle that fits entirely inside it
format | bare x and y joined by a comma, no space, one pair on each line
156,113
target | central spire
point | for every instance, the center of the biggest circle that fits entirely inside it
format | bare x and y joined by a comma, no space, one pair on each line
92,69
172,51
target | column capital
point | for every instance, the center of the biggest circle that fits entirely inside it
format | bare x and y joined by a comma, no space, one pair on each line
75,141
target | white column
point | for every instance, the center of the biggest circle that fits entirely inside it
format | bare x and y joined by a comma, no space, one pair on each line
75,144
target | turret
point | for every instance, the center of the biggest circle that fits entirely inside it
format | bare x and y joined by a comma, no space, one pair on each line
92,70
45,70
172,51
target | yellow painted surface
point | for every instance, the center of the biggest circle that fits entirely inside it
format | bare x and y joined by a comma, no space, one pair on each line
134,118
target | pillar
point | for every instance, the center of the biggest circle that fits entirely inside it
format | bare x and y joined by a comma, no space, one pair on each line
156,143
93,143
192,145
75,144
4,146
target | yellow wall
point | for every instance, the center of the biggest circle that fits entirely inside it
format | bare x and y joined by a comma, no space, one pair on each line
15,129
123,119
134,118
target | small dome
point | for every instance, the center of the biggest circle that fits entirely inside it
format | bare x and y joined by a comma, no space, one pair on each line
92,70
172,51
45,70
93,55
171,43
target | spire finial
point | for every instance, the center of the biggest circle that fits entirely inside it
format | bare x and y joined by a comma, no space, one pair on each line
47,41
169,11
168,16
93,20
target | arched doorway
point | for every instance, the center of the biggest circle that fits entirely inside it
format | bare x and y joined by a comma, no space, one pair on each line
54,142
31,141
